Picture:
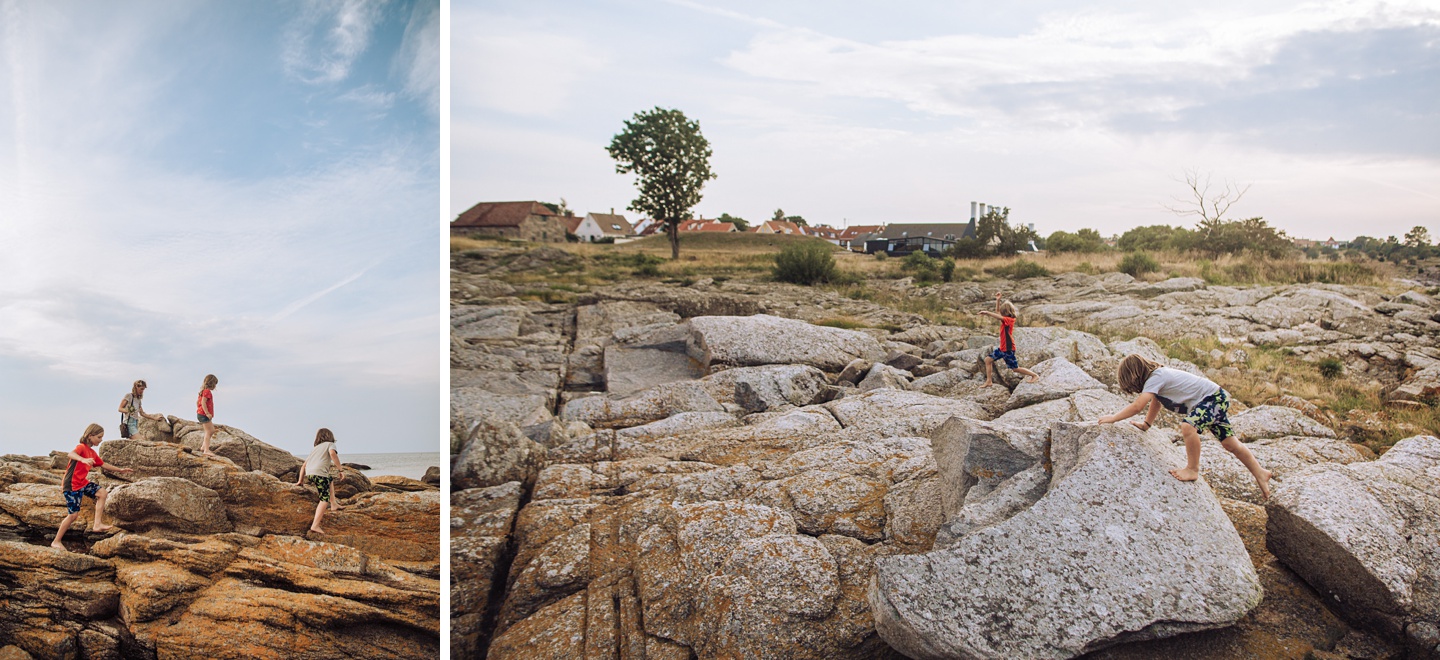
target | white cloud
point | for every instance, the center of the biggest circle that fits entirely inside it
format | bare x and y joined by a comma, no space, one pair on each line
418,59
323,42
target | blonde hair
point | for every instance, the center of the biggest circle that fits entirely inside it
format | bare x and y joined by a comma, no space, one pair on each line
92,431
210,382
1007,308
323,435
136,387
1134,371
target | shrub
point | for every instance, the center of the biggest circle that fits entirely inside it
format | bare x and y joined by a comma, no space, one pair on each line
1018,270
805,263
1085,267
845,322
1331,368
1137,263
881,256
947,269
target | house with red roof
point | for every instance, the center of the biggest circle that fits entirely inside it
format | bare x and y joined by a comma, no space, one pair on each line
702,224
529,221
855,235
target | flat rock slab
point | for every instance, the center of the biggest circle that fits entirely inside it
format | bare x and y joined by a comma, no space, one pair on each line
1276,422
746,341
1117,550
630,370
1367,536
1059,378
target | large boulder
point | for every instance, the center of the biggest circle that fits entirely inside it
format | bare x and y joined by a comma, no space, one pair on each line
1282,456
1115,550
1276,422
1367,537
490,455
243,449
894,413
758,389
630,370
480,523
745,341
656,403
168,504
1058,379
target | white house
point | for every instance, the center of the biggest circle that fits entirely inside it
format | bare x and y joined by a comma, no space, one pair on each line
596,226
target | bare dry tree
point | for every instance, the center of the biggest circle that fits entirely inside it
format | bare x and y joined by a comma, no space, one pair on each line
1210,207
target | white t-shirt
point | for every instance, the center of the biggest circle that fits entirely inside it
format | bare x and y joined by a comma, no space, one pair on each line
319,463
1177,390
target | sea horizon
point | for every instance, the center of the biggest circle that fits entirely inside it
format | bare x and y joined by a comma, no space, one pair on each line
403,464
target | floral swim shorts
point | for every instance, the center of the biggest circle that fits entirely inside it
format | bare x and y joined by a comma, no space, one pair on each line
72,497
1212,414
321,484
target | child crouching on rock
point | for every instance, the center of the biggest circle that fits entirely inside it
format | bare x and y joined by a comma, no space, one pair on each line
323,466
1206,407
77,484
1005,313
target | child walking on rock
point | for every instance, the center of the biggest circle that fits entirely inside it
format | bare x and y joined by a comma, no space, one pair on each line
205,411
132,408
1206,407
323,466
1005,313
77,484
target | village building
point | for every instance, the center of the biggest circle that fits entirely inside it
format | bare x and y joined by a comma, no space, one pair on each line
702,224
854,237
530,221
778,227
597,226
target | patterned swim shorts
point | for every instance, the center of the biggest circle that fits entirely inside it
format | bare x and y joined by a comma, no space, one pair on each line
321,484
1007,356
1213,414
72,497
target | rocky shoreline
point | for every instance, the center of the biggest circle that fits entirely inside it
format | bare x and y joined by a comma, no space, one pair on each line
675,471
212,557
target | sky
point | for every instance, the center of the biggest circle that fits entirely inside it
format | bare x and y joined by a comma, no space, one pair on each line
249,190
847,112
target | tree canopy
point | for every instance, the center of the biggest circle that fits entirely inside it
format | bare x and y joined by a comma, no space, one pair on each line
671,160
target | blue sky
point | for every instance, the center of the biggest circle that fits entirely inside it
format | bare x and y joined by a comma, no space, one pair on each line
854,112
244,189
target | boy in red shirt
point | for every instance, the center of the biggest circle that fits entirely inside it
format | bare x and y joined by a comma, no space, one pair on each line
77,484
1005,313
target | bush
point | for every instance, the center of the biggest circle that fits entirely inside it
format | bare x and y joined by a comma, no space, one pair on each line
881,256
805,263
1085,267
1331,368
947,269
1018,270
1138,263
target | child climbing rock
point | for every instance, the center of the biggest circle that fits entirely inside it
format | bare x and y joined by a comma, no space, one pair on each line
77,484
1005,313
1206,407
323,466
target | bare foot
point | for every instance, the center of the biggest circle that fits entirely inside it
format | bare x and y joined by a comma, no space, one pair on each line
58,545
1185,474
1141,426
210,453
987,384
1264,482
102,528
1032,379
317,531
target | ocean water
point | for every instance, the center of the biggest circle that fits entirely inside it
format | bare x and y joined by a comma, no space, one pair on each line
411,465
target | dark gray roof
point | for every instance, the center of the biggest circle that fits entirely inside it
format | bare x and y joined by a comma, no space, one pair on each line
950,231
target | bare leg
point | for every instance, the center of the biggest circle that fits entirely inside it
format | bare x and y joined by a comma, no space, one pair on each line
989,371
1191,471
1233,445
209,433
64,527
98,525
1026,372
319,513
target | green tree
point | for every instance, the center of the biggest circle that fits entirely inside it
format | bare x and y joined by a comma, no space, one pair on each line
1085,240
994,231
1419,237
1155,238
739,223
671,159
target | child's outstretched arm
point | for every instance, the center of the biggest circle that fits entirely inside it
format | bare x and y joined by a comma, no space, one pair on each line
998,296
300,480
1145,399
992,315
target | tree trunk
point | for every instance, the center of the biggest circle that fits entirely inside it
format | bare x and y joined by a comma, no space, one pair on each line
672,227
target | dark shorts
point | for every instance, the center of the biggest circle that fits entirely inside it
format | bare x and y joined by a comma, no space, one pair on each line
1212,414
72,497
321,484
202,418
1007,356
